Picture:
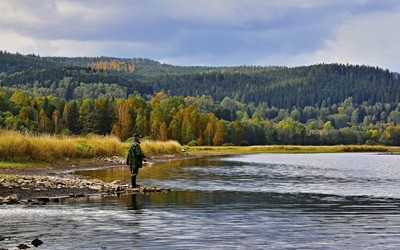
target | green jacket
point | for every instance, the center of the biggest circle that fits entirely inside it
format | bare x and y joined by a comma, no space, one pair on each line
135,156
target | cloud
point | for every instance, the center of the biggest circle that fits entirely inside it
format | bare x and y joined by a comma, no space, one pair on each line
207,32
369,40
15,42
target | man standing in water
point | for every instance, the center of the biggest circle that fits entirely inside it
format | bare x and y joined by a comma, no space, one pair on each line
135,159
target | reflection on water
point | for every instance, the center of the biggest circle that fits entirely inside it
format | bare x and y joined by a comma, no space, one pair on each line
283,201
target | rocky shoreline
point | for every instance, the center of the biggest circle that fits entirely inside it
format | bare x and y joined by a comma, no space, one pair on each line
44,189
55,183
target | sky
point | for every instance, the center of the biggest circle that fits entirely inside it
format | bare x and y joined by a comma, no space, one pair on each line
208,32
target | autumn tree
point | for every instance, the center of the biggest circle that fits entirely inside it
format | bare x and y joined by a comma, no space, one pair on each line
44,122
190,117
56,121
123,125
21,98
210,129
220,133
163,133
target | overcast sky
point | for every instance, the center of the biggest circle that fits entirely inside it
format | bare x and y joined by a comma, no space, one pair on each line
208,32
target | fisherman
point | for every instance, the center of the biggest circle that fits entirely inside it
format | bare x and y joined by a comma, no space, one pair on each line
135,158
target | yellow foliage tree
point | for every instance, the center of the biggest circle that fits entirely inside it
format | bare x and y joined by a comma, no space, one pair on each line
123,125
220,130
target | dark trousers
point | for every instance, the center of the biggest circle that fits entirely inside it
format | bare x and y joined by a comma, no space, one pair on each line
134,173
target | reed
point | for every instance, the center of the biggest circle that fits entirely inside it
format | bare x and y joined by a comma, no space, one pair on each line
16,147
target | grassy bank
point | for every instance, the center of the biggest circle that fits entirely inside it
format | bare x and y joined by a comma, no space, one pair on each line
290,149
16,147
25,149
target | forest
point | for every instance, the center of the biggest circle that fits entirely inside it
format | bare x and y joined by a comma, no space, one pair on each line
325,104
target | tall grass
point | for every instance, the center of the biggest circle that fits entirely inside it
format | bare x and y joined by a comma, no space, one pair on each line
155,148
45,148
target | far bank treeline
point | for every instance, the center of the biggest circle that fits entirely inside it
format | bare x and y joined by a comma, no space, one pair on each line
201,120
320,104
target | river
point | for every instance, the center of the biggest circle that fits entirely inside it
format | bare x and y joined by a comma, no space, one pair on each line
258,201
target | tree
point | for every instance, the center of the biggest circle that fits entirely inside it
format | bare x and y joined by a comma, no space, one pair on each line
90,117
156,121
141,122
189,121
394,117
56,121
105,114
175,127
328,134
348,136
210,129
44,122
4,102
163,134
290,131
391,135
28,114
21,98
339,120
71,117
220,133
123,125
238,132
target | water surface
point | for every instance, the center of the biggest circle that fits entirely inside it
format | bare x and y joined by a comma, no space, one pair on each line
260,201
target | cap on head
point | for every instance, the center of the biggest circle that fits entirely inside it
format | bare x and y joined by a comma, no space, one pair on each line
136,135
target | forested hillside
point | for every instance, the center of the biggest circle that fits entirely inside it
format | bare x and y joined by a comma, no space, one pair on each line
319,104
282,87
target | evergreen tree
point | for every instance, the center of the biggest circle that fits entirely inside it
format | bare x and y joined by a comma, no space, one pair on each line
71,117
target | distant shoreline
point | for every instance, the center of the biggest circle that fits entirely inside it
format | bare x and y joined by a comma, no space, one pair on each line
65,166
290,149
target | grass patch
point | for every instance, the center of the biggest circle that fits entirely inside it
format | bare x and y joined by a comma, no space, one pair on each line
155,148
4,164
18,150
29,150
16,147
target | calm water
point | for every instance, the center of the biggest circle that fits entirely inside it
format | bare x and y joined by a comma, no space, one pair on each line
261,201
